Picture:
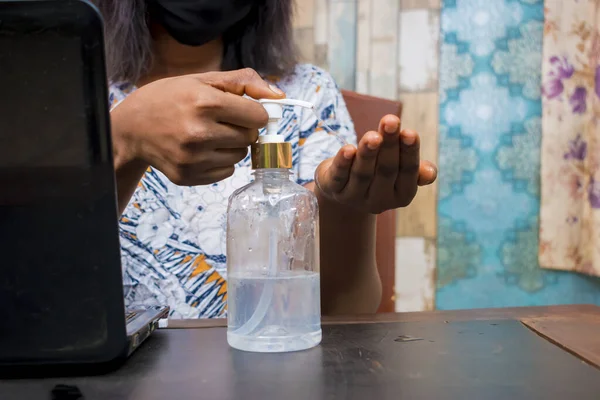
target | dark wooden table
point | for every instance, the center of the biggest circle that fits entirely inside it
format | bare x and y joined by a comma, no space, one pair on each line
521,353
574,328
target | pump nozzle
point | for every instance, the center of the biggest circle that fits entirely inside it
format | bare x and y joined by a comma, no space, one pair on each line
272,151
275,110
288,102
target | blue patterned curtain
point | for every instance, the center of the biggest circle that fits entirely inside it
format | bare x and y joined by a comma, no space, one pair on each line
490,129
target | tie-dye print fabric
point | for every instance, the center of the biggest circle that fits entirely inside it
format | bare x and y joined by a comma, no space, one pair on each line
570,213
173,238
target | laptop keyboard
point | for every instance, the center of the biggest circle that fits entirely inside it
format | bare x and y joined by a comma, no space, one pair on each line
130,315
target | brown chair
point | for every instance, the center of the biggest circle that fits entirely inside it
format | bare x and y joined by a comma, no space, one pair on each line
366,112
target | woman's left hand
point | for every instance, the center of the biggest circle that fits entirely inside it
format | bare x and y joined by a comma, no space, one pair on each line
384,173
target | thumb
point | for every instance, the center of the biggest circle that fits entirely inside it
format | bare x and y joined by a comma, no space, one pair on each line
332,174
242,82
427,173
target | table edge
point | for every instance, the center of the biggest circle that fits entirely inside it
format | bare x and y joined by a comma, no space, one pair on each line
516,313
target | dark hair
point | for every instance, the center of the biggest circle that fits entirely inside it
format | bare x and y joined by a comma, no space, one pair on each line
262,41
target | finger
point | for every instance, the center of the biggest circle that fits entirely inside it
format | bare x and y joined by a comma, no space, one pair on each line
228,157
363,167
408,171
231,109
388,160
219,174
242,82
227,136
195,163
217,135
190,177
217,159
427,173
335,177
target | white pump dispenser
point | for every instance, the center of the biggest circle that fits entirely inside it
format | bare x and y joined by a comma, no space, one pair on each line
273,257
275,110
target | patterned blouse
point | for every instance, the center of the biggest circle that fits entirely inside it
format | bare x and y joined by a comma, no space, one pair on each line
173,237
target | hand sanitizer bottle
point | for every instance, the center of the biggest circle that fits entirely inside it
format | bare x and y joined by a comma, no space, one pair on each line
273,251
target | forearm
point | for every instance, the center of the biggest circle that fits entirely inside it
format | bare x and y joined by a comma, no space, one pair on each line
350,282
128,171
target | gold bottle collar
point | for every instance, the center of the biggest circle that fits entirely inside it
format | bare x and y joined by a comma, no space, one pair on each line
271,155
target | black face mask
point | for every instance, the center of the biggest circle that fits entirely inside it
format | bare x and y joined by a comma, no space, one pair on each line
196,22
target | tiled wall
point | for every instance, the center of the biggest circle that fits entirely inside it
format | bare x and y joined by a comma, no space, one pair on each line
388,48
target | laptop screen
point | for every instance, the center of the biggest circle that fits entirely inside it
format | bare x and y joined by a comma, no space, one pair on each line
61,293
43,111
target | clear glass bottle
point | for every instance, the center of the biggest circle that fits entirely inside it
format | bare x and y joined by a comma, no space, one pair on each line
273,257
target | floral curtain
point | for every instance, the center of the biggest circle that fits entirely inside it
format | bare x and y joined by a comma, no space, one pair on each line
570,206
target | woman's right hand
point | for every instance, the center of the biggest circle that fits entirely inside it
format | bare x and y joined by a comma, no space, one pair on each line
192,128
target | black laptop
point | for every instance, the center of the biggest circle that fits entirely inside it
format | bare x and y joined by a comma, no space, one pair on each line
61,292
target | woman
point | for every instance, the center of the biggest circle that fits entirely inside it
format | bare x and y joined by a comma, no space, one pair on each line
181,131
